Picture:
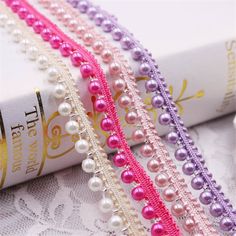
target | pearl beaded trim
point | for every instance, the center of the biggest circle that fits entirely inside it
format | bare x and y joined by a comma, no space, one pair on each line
123,217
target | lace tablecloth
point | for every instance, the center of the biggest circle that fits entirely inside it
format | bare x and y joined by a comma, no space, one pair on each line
61,203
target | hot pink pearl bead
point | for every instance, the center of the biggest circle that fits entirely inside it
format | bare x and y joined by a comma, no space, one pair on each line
124,101
146,150
86,70
38,26
114,68
189,224
15,6
22,12
177,209
107,124
113,141
119,85
98,47
8,2
169,194
88,39
157,229
65,49
46,34
94,87
55,41
76,58
131,117
138,136
100,105
30,19
138,193
119,160
148,212
153,165
127,176
161,180
107,56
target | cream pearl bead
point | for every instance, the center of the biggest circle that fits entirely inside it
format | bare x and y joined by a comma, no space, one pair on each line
64,109
24,43
95,184
88,165
59,91
53,74
42,62
72,127
10,25
32,53
3,20
106,205
82,146
17,35
115,222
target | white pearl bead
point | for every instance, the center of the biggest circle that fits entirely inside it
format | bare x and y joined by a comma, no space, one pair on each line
82,146
95,184
115,222
53,74
24,43
32,53
64,109
106,205
59,91
10,25
17,35
72,127
88,165
42,62
3,20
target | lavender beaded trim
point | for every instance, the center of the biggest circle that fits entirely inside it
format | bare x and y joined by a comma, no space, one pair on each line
220,206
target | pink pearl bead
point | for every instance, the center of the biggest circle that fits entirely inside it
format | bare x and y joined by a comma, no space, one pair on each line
127,176
55,41
107,56
157,229
107,124
38,26
153,165
119,85
30,19
76,58
46,34
53,8
146,150
100,105
22,12
138,136
114,68
138,193
161,180
80,31
65,19
98,47
72,25
15,6
169,194
94,87
124,101
60,13
113,141
148,212
65,49
88,39
86,70
177,209
119,160
131,117
189,224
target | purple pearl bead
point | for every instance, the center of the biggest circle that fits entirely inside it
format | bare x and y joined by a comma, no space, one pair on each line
136,53
157,101
234,234
151,85
216,209
197,182
107,26
91,12
206,197
188,168
181,154
98,19
126,43
74,3
144,68
83,6
117,34
226,224
164,119
172,137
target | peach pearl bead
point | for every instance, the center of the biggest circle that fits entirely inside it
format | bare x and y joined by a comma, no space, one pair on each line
80,31
53,8
169,194
153,165
146,150
189,224
107,56
119,85
114,68
88,39
131,117
161,180
124,101
138,136
72,25
98,47
60,13
178,209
